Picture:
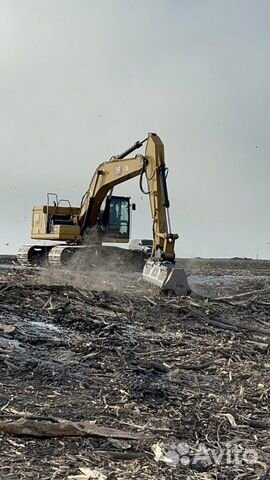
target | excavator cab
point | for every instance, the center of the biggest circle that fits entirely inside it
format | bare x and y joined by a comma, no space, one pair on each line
115,219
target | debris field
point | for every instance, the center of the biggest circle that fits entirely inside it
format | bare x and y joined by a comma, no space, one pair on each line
101,376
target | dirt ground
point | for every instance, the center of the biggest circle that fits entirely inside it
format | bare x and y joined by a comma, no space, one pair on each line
190,375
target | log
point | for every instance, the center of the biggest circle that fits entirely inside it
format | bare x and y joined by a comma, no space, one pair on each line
65,428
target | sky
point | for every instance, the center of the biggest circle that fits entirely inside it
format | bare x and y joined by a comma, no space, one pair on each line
82,80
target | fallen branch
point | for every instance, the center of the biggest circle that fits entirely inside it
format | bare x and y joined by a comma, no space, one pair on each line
233,325
65,428
219,324
239,295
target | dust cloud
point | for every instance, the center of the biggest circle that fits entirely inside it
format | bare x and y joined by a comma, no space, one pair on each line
98,268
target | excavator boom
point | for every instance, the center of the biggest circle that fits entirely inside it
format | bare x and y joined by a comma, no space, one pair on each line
120,169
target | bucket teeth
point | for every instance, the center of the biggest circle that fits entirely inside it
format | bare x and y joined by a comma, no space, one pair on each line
167,277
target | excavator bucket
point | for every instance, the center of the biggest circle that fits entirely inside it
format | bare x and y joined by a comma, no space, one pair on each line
167,277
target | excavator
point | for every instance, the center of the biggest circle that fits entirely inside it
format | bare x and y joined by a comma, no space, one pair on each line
104,217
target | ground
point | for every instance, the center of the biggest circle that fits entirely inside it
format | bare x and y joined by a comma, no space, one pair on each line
190,375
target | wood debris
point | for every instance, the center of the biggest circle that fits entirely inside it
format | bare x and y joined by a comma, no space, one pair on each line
171,373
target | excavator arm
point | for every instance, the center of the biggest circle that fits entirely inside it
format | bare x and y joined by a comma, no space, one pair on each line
120,169
156,178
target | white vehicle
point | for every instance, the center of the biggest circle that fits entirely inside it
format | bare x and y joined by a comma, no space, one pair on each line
141,245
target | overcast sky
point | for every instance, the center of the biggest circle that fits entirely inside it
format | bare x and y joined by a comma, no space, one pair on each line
84,79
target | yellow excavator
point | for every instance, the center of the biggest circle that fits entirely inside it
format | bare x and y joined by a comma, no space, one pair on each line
104,217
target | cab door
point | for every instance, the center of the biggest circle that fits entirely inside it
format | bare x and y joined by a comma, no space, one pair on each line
118,226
